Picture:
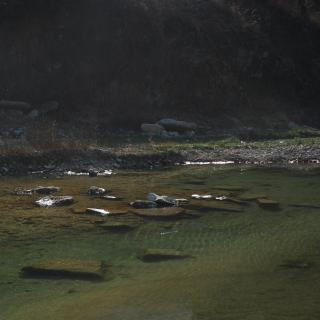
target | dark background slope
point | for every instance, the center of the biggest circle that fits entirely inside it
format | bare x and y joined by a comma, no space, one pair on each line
121,62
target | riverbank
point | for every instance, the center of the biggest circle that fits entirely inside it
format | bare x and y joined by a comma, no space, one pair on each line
140,152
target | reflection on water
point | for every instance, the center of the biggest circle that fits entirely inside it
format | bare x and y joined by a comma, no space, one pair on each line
255,264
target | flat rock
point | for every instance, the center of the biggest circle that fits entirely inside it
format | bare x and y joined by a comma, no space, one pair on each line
55,201
96,191
159,212
71,269
156,255
268,204
143,204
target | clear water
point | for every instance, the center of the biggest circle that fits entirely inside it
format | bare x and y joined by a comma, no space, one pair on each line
235,272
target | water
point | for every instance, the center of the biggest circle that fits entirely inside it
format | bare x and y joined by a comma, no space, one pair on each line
236,271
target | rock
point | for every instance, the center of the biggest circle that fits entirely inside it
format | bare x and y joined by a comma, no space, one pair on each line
98,212
156,255
268,204
70,269
143,204
202,197
93,173
55,201
96,191
232,200
112,198
46,190
15,105
105,173
117,226
177,126
161,201
152,129
159,212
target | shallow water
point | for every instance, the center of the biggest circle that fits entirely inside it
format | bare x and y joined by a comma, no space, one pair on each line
235,272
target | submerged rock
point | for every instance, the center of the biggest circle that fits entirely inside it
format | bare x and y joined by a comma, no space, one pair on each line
268,204
305,205
143,204
96,191
118,226
296,264
159,212
251,196
71,269
156,255
98,212
46,190
55,201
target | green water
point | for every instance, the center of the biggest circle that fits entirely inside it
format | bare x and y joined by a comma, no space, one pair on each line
236,271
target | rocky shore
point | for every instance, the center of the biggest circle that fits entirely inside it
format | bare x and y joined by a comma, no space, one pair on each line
100,159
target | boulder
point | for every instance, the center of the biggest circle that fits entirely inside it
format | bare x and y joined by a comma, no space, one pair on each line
268,204
98,212
165,201
71,269
55,201
46,190
156,255
96,191
176,125
143,204
159,212
153,129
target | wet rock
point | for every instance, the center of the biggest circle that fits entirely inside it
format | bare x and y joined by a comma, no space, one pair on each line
176,125
165,201
117,226
111,198
98,212
96,191
268,204
152,129
159,212
55,201
156,255
143,204
46,190
70,269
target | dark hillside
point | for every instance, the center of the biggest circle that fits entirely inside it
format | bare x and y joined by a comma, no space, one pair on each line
121,62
